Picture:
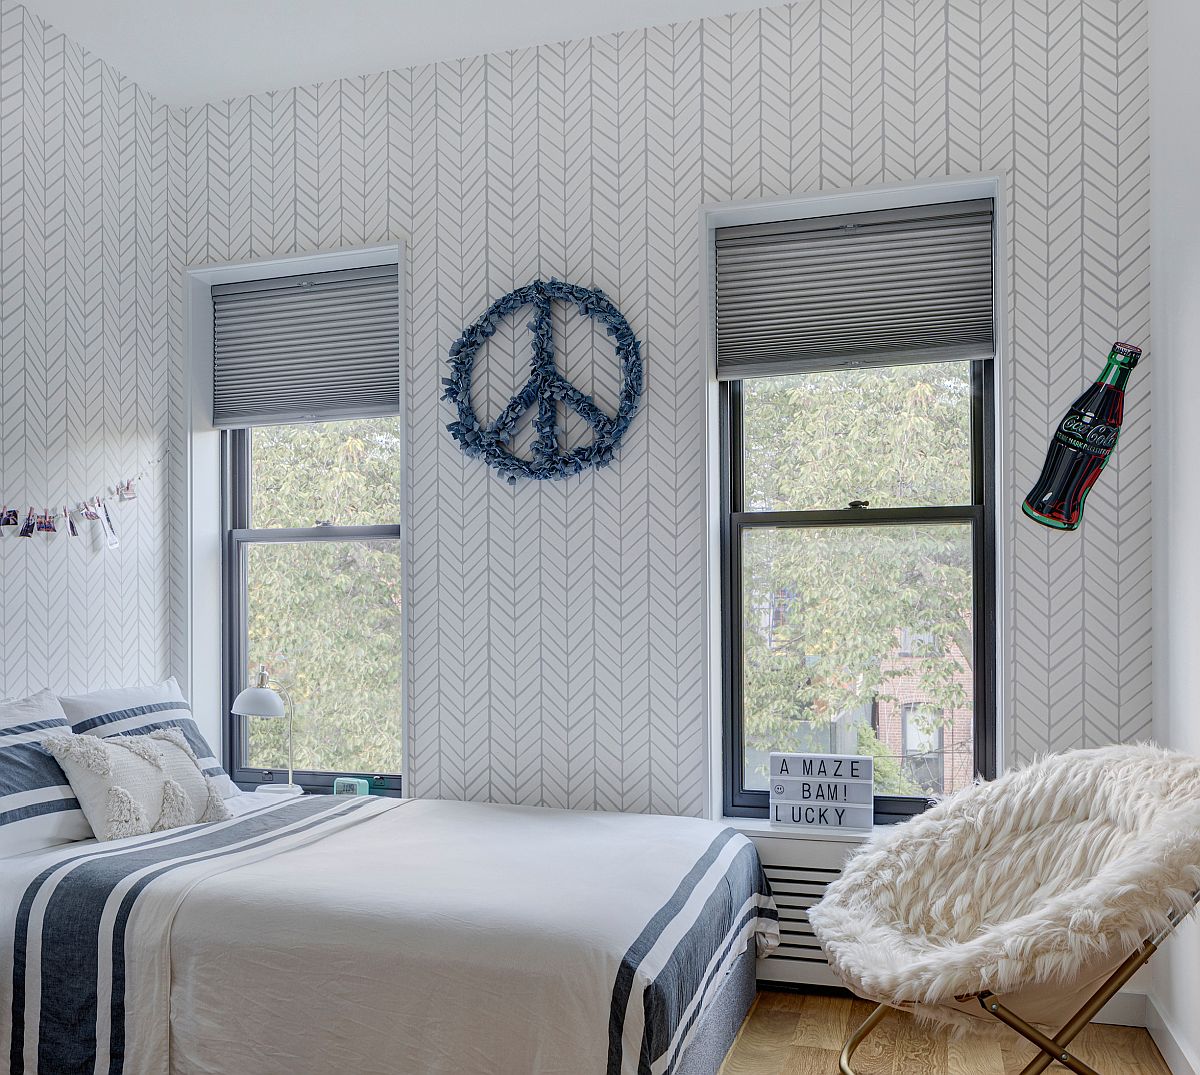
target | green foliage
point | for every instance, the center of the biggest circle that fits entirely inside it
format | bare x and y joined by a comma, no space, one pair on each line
343,473
895,436
326,617
824,608
890,778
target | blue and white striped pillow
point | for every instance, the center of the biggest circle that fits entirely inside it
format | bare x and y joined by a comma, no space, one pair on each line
37,806
140,710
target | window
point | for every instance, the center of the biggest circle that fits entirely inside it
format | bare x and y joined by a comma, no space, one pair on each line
915,643
312,560
924,732
857,532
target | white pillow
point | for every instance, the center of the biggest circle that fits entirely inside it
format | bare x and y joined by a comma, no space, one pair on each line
130,785
38,809
138,710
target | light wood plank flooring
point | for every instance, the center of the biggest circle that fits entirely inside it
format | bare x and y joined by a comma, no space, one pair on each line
792,1034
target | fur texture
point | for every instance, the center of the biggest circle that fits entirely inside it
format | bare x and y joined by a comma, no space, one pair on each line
175,737
93,756
214,808
126,816
140,746
176,809
1037,877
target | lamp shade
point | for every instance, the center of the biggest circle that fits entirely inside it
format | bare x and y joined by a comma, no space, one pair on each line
258,702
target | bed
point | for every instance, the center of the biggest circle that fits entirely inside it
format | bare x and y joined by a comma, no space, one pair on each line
397,936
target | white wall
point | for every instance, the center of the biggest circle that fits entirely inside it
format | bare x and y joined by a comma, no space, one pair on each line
86,376
557,650
557,642
1175,224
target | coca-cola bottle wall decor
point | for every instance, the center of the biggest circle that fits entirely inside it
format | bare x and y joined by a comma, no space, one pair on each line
1082,445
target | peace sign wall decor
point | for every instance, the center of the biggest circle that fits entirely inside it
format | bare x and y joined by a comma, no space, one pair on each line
545,387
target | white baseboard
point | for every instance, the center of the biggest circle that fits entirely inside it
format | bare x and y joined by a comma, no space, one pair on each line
1127,1008
1179,1061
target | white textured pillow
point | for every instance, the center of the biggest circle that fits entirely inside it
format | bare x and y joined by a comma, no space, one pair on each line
139,710
134,784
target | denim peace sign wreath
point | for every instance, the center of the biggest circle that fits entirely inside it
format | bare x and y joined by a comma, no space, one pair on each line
545,387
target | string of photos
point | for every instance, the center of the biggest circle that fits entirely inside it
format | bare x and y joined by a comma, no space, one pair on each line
94,509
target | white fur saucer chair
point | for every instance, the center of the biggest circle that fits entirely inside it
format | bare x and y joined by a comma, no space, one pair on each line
1030,899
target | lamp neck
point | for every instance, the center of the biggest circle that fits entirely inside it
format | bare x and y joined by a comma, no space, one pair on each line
264,681
291,712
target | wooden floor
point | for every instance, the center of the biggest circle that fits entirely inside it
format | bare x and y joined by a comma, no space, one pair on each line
791,1034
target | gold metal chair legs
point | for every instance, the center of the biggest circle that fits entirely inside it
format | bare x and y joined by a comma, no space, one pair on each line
856,1039
1053,1050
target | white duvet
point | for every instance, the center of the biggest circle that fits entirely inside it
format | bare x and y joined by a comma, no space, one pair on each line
421,938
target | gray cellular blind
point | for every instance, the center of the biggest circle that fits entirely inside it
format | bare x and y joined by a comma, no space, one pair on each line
863,289
307,348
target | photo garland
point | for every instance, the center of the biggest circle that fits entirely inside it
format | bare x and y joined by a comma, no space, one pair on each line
545,387
93,510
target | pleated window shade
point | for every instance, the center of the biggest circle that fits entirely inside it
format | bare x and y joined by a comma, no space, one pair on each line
319,347
862,289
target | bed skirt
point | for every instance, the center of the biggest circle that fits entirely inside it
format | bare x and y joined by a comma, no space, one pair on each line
720,1024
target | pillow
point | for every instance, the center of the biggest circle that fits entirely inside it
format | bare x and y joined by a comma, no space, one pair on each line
38,809
138,710
129,785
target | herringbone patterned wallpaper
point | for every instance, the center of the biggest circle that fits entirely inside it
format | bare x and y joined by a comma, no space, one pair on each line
86,375
557,628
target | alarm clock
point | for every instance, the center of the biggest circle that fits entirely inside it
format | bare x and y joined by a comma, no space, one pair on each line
351,785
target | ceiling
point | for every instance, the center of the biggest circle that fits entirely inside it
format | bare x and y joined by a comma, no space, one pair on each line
185,53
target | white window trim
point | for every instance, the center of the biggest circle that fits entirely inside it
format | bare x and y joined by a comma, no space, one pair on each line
867,199
203,533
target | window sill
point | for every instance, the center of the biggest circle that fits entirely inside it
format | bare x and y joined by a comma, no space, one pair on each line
753,826
315,783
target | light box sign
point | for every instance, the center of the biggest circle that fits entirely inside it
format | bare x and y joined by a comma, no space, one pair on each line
823,791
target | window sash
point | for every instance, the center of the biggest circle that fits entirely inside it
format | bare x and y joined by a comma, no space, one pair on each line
742,802
238,538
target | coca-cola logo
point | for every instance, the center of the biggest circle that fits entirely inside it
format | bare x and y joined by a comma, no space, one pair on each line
1097,436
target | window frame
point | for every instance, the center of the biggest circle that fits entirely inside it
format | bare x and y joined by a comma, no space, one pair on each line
739,801
236,482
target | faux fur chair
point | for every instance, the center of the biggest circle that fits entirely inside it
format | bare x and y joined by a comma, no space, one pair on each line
1030,899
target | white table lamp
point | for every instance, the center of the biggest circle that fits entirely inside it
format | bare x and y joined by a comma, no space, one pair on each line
262,700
